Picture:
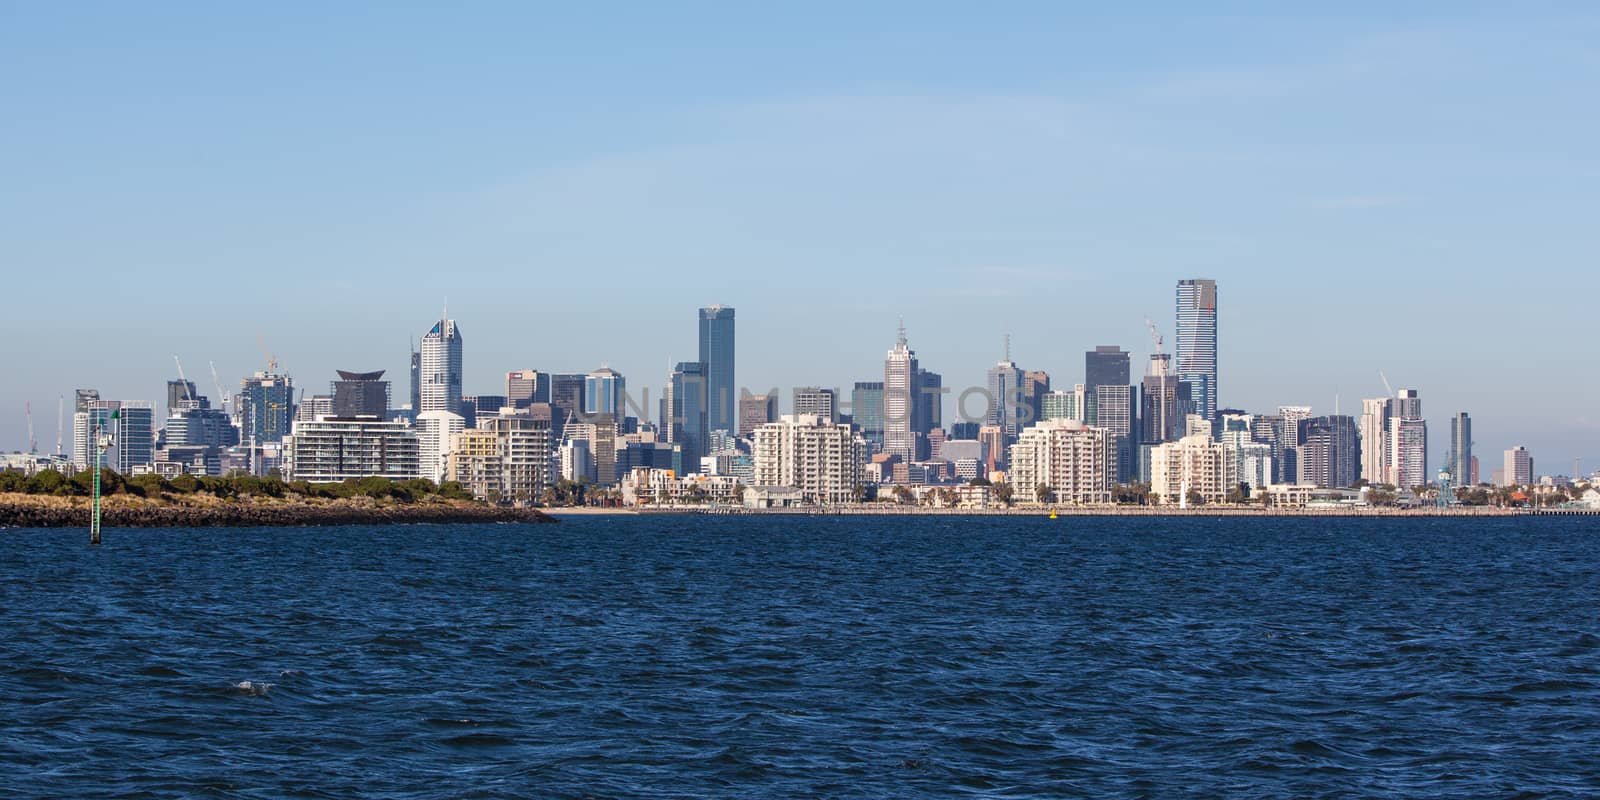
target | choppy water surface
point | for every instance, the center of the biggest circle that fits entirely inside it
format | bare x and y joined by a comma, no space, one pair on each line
688,657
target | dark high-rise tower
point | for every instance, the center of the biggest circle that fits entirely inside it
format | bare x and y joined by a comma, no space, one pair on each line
1460,465
361,394
1112,405
1197,341
717,354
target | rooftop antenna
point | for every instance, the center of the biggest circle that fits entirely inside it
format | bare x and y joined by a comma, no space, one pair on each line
33,444
61,411
1008,347
901,338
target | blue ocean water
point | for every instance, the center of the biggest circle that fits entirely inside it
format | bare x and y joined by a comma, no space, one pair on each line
780,657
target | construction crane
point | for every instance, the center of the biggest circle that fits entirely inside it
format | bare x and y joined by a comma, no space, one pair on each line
272,360
182,379
1386,386
1158,363
222,396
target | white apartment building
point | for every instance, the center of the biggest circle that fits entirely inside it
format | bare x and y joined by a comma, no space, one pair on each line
1194,463
824,461
1067,456
333,450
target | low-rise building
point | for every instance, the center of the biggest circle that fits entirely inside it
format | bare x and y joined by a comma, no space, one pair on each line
506,461
1195,463
663,487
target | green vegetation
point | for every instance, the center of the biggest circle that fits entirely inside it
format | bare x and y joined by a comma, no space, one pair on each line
238,485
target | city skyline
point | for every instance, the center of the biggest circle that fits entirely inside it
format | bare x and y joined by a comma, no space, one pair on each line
1358,182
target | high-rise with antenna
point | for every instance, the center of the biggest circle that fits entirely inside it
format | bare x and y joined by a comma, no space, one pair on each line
440,367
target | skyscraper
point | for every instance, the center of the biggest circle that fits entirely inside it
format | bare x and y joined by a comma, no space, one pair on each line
1197,341
866,409
1519,466
686,404
360,394
928,409
524,387
1461,449
717,353
1111,405
566,394
817,402
179,391
1408,442
756,410
1005,397
605,394
416,380
1035,385
1327,456
1375,413
435,431
899,393
267,400
1165,402
441,368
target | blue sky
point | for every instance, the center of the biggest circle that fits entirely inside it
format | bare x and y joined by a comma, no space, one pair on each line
1411,190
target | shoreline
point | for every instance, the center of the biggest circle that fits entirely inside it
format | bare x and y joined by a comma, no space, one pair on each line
1081,511
121,511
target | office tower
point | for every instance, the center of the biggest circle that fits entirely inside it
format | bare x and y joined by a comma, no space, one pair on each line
82,450
416,380
605,394
360,394
1106,365
1035,385
717,354
866,410
1328,451
1286,437
1067,458
1408,442
132,426
1060,404
928,410
686,404
1111,405
1113,408
1004,384
267,402
1195,463
179,391
1477,478
566,394
965,429
817,402
1375,415
899,393
194,423
435,431
1164,403
508,460
824,461
1518,467
1461,449
441,368
524,387
756,410
478,406
1197,341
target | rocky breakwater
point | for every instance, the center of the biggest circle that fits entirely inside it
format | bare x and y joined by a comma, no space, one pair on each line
32,511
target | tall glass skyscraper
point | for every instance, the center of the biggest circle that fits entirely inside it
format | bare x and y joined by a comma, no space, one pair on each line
441,368
1197,341
717,354
1111,405
604,393
685,405
267,401
866,408
1460,465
